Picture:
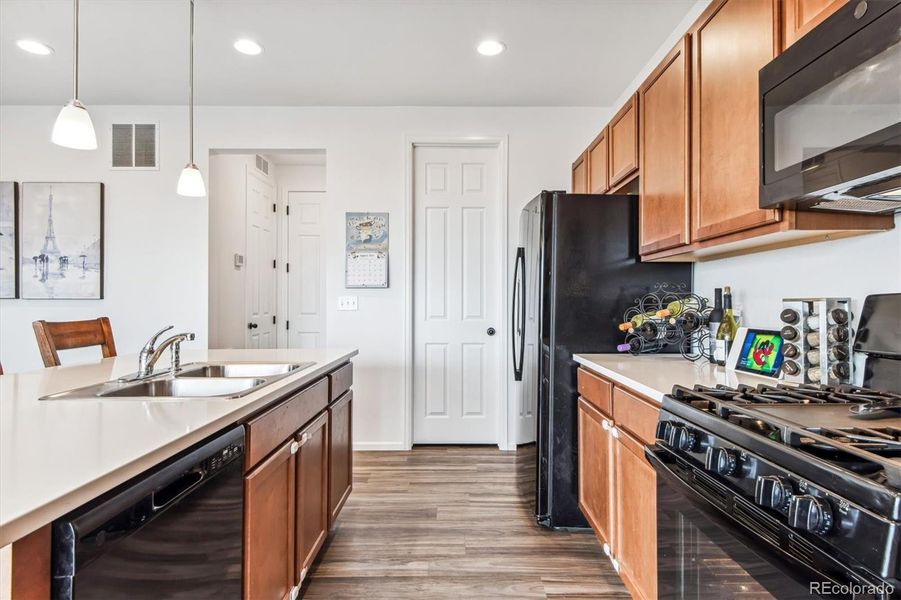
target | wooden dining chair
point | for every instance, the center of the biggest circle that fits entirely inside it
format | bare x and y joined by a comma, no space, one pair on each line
66,335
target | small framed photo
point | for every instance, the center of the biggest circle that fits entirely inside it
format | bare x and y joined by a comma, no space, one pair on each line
61,241
9,247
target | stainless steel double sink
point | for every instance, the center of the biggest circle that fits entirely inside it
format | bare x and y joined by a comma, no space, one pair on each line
193,380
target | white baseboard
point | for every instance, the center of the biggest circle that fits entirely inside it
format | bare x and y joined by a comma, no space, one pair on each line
380,446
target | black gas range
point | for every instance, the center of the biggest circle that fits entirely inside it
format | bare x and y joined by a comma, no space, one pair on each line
780,491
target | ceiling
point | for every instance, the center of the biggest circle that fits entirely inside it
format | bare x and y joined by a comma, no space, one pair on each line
335,52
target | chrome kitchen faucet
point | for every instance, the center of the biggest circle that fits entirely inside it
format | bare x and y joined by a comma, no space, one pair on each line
151,353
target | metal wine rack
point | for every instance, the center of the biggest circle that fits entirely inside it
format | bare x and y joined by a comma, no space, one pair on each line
686,331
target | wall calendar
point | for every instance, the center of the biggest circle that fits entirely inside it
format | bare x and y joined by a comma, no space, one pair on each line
366,262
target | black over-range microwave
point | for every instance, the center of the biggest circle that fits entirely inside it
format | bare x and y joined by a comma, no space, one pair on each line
830,110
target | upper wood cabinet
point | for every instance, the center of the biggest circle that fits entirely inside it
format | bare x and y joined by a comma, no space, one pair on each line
664,153
598,181
580,174
596,471
800,16
731,41
269,512
624,142
312,517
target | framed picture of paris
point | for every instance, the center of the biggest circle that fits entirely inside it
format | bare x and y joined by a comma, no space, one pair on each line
61,241
8,206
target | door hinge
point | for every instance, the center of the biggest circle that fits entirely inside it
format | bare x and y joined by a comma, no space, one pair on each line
273,319
287,267
273,264
273,207
287,209
288,325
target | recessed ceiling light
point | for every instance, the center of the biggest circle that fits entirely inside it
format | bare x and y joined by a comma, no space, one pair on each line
34,47
250,47
491,48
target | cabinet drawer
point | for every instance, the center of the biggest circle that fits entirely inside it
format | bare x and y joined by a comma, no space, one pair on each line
596,390
267,431
635,415
339,381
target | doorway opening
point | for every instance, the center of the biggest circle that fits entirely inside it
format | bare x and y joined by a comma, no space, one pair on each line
267,276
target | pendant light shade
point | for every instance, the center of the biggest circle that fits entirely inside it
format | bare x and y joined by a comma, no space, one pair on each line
73,127
190,182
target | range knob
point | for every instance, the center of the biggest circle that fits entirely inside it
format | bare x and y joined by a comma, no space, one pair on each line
722,461
773,491
663,430
810,514
685,439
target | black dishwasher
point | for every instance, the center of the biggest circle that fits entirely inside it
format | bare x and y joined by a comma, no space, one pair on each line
174,532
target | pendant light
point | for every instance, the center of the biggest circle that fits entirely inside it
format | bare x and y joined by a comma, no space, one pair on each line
190,182
73,127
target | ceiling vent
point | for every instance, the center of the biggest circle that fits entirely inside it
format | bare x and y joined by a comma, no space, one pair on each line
135,146
262,165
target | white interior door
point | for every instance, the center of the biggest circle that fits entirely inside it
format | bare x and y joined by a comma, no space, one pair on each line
306,279
457,279
260,283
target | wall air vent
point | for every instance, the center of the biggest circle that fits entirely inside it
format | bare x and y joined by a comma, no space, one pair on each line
135,146
262,165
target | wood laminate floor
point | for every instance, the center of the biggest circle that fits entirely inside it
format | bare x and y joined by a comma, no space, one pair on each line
453,522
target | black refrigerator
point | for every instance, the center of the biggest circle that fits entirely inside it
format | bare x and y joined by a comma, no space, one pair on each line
578,269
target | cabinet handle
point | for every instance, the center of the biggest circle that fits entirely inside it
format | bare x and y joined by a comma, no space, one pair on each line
614,432
605,424
615,564
295,592
606,549
304,438
295,446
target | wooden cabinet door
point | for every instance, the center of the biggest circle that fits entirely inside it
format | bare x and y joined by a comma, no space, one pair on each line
596,471
731,41
597,164
624,142
341,457
800,16
312,494
636,516
269,509
580,175
663,151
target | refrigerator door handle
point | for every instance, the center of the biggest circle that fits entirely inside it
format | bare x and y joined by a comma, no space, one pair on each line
519,292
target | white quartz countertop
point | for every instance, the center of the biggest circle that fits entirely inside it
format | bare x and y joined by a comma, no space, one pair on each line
55,455
654,375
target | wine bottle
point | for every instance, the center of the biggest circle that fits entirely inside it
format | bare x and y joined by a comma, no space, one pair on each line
688,322
636,346
725,333
714,320
636,321
648,330
677,307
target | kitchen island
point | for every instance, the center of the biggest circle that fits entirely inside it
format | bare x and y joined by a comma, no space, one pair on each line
56,455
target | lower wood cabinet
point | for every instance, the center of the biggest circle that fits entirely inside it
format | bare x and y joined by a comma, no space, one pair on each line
596,461
636,516
617,485
312,513
269,513
341,458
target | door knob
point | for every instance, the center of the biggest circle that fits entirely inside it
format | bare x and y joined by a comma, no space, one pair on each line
491,331
252,326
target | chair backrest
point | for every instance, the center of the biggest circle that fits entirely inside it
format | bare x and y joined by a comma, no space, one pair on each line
66,335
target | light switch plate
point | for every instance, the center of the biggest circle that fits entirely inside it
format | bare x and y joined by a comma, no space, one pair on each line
347,303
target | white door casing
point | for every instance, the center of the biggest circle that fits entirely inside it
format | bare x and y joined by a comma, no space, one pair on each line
525,426
306,280
260,279
458,283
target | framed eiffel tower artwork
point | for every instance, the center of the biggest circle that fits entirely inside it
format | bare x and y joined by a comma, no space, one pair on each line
9,204
61,241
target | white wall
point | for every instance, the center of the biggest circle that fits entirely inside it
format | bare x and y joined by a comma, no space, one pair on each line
157,258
